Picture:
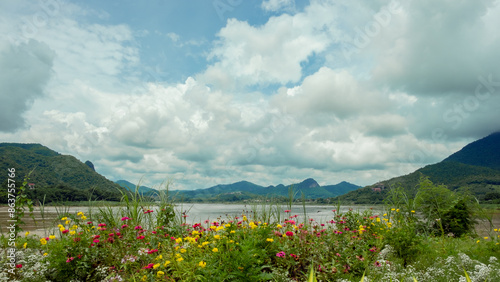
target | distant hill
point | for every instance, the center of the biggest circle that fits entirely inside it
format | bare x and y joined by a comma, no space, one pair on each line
58,177
245,190
475,168
131,187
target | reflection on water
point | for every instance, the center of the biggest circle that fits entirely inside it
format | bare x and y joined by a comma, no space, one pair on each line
46,223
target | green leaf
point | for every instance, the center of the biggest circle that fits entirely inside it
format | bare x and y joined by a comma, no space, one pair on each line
466,275
312,275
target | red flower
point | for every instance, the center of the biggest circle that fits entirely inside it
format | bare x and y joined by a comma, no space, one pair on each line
65,231
97,237
89,222
124,226
287,210
152,251
140,237
101,225
19,265
96,241
289,233
138,227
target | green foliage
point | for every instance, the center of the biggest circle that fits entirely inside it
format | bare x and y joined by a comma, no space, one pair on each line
458,219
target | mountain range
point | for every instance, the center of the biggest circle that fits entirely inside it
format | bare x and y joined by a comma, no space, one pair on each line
245,190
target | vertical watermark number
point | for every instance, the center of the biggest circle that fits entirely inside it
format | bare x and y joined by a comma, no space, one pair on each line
11,199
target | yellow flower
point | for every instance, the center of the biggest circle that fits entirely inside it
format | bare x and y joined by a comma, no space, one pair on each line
84,217
195,232
183,251
178,240
217,237
385,214
279,226
72,232
180,259
270,240
485,238
144,278
378,219
219,228
166,263
478,241
495,230
202,264
24,245
45,254
245,218
160,274
159,257
397,210
231,241
232,232
393,209
64,218
52,237
156,266
228,225
28,233
413,211
79,214
205,243
43,241
215,250
213,227
74,227
60,226
67,221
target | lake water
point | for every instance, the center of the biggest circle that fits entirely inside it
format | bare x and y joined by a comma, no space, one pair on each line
195,213
199,213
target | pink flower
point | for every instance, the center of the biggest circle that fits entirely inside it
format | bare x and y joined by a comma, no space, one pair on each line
111,234
70,259
140,237
152,251
337,254
96,241
149,266
138,227
289,234
125,218
287,210
89,222
124,226
65,231
148,211
101,225
281,254
97,236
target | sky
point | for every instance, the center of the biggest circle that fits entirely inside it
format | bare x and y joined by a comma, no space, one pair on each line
207,92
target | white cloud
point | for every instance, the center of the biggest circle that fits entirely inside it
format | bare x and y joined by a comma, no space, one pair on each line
276,5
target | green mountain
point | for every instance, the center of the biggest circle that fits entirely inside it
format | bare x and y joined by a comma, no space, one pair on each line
55,176
245,190
475,168
131,187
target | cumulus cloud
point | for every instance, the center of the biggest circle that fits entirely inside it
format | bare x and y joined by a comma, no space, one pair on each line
271,53
26,70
